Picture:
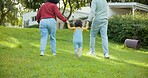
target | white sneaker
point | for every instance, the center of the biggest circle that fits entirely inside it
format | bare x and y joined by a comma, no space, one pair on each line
42,53
106,56
91,53
54,54
75,55
80,54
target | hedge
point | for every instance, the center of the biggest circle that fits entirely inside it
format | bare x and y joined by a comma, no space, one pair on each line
33,26
123,27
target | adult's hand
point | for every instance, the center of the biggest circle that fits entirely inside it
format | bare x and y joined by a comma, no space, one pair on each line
67,22
87,23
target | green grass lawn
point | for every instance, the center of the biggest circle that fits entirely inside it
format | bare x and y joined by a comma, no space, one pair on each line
19,57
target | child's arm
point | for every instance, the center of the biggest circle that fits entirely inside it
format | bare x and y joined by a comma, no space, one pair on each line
87,25
68,25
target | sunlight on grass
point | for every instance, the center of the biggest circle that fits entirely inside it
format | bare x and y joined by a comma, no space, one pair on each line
26,62
117,47
11,42
91,56
145,52
35,45
11,45
137,63
64,50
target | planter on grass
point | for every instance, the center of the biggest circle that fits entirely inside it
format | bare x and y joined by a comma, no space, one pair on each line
131,43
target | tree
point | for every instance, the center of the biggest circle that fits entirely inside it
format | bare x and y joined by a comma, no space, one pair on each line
74,5
33,4
71,4
65,3
8,11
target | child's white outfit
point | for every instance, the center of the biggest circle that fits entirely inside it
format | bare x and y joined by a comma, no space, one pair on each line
77,41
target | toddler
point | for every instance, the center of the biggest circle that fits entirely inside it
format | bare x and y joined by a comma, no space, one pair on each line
77,37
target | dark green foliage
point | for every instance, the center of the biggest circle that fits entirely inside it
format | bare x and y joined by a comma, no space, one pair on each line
8,12
33,26
33,4
122,27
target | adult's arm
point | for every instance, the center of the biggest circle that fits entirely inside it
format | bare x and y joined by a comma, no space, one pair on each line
93,9
59,14
38,16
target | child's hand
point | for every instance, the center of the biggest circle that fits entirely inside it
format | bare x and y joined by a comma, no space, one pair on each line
68,24
87,24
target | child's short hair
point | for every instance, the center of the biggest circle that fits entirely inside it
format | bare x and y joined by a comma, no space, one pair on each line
78,23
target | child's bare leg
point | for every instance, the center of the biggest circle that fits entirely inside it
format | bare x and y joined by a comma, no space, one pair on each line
76,52
80,52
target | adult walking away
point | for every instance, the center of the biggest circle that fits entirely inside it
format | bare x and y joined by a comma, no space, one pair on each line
99,24
46,17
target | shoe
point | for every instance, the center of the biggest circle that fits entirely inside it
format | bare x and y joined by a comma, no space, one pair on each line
54,54
106,56
80,54
91,53
42,53
75,55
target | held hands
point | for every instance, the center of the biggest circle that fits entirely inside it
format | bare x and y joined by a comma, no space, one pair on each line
68,24
87,24
73,28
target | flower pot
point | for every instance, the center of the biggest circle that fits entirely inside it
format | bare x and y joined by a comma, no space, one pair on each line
131,43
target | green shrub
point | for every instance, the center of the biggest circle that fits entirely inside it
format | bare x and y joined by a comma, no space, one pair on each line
128,26
33,26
